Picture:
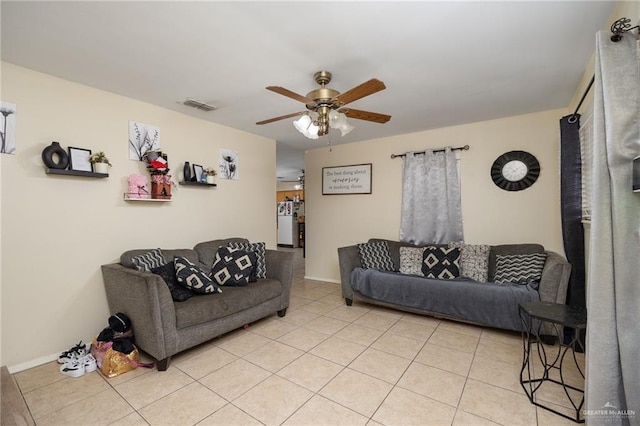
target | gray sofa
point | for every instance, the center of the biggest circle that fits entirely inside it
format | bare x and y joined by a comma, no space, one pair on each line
163,327
461,299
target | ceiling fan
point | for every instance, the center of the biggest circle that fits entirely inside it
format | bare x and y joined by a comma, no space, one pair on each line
326,107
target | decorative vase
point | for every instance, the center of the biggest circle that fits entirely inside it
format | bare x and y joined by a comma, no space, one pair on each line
49,153
211,179
161,187
187,171
101,168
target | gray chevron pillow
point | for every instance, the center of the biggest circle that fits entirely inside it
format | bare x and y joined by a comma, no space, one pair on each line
376,255
149,260
519,268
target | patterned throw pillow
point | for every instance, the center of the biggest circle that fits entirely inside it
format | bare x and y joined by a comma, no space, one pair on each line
411,260
260,250
168,274
519,268
149,260
440,262
193,278
376,255
474,261
233,267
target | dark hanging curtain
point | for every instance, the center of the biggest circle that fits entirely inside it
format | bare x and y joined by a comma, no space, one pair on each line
571,205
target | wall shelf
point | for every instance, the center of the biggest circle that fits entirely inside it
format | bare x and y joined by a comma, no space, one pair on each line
189,183
127,197
75,173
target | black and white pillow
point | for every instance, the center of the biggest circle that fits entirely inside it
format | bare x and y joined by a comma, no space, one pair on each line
474,261
190,276
149,260
376,255
233,267
168,274
441,262
260,250
519,268
411,260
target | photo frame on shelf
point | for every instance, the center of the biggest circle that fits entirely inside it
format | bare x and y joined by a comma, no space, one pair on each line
355,179
79,159
198,172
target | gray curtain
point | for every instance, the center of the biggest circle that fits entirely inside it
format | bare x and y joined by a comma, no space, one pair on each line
613,293
431,211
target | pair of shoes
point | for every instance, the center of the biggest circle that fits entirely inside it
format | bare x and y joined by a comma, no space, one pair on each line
78,351
79,366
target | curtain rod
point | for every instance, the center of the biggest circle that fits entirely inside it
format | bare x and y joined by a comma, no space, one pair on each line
618,28
574,116
460,148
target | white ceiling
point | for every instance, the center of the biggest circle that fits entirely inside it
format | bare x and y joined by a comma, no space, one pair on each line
444,63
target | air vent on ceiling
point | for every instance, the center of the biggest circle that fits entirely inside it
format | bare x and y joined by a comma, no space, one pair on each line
203,106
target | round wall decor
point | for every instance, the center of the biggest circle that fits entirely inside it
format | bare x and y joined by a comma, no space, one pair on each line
515,171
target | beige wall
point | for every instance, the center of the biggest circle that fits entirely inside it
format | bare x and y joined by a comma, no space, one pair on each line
58,230
490,215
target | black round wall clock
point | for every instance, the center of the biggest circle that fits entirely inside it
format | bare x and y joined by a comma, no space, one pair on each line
515,171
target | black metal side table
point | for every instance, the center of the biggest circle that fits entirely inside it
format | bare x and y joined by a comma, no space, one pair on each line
533,315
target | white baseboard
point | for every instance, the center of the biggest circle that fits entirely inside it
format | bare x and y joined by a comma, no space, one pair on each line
33,363
326,280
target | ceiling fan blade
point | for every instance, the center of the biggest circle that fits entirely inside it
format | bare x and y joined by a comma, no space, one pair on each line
288,93
365,115
282,117
365,89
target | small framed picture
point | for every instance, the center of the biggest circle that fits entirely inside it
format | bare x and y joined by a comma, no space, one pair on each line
198,170
79,159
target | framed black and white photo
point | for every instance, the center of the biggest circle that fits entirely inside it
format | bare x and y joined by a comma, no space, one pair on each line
142,138
198,170
8,128
79,159
229,164
354,179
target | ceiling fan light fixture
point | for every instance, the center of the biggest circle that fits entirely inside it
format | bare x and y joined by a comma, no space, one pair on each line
337,119
346,128
302,123
306,126
312,131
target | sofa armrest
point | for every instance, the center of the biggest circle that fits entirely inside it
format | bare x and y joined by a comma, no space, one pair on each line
349,259
145,298
280,267
555,279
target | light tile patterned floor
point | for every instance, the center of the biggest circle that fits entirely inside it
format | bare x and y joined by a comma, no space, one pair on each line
322,364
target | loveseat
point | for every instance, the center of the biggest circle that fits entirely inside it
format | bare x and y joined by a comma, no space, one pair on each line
461,298
163,326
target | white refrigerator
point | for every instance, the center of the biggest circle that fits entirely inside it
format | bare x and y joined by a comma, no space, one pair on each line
287,225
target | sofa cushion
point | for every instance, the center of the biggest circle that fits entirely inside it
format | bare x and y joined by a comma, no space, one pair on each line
411,260
260,250
440,262
148,260
207,251
190,276
209,307
233,266
169,254
394,249
507,249
168,273
519,268
375,255
474,261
